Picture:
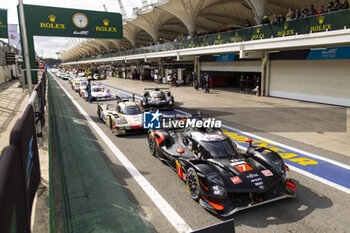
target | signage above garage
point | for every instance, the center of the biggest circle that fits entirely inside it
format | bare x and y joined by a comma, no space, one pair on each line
329,53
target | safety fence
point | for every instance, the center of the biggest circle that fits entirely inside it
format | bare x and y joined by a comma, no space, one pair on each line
312,24
19,164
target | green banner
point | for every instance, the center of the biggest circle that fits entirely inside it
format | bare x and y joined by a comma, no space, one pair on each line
64,22
53,21
3,24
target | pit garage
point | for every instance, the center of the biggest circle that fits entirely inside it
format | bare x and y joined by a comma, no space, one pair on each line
322,81
228,74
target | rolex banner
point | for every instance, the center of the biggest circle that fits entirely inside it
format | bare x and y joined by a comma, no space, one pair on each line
3,24
53,21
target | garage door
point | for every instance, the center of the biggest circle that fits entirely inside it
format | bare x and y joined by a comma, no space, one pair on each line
322,81
238,66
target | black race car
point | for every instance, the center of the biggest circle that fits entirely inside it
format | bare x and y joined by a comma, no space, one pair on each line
157,98
219,177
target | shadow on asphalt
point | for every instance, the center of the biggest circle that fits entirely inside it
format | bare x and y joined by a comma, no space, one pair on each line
285,211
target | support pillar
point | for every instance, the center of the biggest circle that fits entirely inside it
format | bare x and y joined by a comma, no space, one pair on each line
197,67
265,73
258,7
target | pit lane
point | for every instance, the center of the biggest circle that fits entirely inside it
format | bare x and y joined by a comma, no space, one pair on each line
317,208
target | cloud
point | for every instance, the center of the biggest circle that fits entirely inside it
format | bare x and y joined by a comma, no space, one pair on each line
48,46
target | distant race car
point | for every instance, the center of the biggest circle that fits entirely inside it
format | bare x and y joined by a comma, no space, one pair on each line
99,76
219,177
157,98
82,87
72,77
76,83
123,118
65,76
98,92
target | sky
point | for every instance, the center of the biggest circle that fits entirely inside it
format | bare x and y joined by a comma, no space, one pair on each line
48,46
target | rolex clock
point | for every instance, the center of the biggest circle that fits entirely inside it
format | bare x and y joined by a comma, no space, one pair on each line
80,20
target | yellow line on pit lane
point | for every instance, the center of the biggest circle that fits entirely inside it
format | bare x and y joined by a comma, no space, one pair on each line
261,143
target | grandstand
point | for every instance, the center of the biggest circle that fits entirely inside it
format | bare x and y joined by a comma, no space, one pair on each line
305,59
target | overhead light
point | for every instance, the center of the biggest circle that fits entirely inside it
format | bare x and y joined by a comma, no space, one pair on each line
274,51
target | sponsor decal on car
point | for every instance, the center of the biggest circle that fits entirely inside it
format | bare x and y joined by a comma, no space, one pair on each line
266,173
252,175
236,180
259,183
243,167
256,180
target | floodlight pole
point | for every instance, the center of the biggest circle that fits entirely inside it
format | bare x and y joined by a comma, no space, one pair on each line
25,45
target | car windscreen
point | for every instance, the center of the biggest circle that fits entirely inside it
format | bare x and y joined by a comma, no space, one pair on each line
220,149
157,95
96,89
130,110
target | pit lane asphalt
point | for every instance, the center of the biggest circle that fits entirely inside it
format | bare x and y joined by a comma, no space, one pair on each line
317,208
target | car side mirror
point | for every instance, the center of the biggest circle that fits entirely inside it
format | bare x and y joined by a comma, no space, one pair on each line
180,151
249,140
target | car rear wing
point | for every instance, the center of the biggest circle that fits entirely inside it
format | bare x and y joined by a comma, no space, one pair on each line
127,99
155,89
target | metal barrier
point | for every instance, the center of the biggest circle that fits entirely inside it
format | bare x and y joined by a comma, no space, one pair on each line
13,214
19,164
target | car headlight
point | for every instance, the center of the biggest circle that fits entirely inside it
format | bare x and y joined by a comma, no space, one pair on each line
217,184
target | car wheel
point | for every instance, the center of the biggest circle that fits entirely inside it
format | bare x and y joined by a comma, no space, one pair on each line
192,184
151,144
99,113
110,124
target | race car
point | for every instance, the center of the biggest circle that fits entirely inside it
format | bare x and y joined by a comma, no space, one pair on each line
64,76
72,77
99,76
123,118
98,92
82,86
76,83
219,177
156,98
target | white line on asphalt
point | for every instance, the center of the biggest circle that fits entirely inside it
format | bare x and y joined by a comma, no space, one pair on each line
174,218
298,170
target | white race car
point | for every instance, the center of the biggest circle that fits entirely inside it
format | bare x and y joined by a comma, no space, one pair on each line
76,83
123,118
98,92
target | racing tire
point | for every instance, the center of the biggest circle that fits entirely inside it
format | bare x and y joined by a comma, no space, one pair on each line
99,113
192,184
110,124
152,144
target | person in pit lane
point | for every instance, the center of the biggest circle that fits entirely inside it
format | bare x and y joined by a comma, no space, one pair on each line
88,89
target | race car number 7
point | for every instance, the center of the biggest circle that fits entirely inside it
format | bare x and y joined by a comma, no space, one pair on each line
243,167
